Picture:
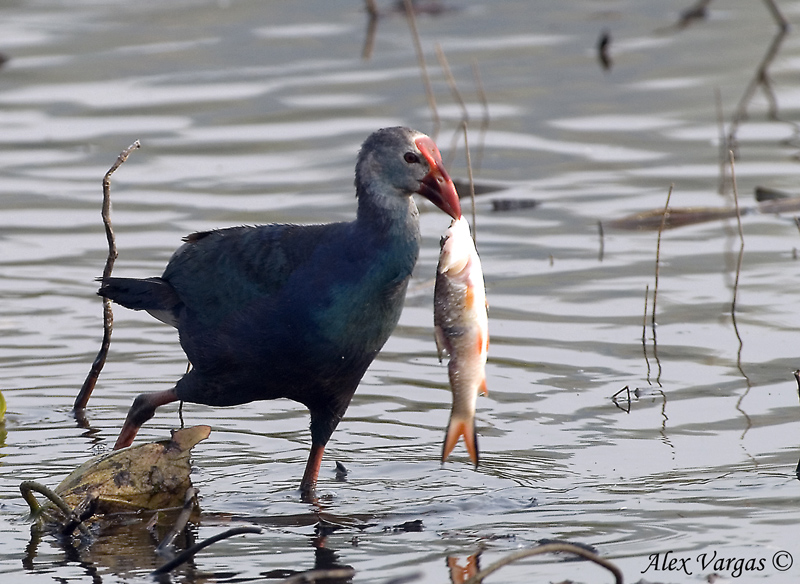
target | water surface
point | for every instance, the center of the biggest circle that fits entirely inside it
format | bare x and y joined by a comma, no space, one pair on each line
253,112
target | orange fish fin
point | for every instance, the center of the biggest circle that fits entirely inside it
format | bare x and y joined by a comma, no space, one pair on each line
482,388
482,343
455,429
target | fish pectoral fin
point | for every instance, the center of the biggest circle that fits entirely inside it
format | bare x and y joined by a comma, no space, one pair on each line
441,342
482,388
455,429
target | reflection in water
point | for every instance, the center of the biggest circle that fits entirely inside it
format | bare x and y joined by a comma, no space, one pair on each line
125,545
461,573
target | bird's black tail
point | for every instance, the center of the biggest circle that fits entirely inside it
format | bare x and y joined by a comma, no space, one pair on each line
151,294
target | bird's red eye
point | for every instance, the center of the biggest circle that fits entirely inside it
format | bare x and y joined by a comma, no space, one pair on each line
411,158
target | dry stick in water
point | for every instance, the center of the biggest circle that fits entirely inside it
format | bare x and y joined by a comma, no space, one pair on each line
108,316
471,184
426,80
451,83
602,241
644,332
476,75
741,242
723,140
760,78
547,549
655,296
738,267
187,554
372,27
644,319
780,20
658,257
180,522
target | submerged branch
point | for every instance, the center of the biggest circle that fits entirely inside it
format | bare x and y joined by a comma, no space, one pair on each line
187,554
180,522
548,549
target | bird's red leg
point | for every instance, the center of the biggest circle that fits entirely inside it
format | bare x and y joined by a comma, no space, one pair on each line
309,482
143,408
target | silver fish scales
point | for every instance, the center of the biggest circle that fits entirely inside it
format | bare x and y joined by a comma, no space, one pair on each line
461,327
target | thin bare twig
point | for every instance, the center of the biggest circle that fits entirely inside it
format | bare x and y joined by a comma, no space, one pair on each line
761,76
655,297
187,554
780,20
741,236
180,523
471,184
736,283
602,241
476,75
426,80
372,27
451,83
108,316
644,318
658,256
797,379
644,332
548,549
723,140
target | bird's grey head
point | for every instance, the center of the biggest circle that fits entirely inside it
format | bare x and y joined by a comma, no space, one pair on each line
397,162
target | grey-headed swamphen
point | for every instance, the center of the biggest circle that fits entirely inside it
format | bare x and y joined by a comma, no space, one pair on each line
295,311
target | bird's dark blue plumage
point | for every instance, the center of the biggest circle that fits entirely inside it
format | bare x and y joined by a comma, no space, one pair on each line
295,311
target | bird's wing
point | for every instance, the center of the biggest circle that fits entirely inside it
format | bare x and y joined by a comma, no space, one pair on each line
217,272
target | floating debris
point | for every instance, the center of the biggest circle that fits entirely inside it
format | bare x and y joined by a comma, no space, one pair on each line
603,43
513,204
768,194
462,186
681,216
148,476
144,477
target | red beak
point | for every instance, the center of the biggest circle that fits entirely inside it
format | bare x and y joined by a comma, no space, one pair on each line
437,186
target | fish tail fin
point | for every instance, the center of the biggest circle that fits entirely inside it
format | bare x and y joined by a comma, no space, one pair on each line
455,429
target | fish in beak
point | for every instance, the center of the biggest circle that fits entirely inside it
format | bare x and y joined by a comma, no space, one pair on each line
437,186
461,327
